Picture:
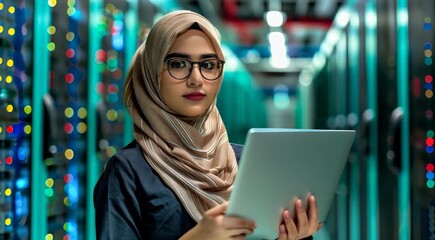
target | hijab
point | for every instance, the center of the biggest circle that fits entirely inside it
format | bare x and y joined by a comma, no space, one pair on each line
192,156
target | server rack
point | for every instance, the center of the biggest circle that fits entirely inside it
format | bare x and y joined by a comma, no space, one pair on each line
16,128
49,74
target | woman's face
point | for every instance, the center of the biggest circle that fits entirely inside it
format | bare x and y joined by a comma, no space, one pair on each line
193,95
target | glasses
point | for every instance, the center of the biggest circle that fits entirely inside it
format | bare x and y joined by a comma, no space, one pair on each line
179,68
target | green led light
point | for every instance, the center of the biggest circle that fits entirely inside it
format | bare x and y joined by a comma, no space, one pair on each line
51,46
28,109
69,112
430,134
49,192
430,183
28,129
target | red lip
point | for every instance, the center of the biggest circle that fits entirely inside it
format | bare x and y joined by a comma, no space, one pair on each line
195,96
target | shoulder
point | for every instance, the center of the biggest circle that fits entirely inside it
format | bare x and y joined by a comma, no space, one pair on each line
129,157
124,168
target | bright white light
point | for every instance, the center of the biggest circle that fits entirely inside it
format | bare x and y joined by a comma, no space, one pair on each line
279,61
274,18
371,19
278,50
276,38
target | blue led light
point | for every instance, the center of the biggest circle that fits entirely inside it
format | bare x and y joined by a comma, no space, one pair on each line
23,152
118,42
427,46
428,86
427,26
429,149
22,183
430,175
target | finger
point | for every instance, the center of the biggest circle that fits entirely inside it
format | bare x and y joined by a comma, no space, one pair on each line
237,222
313,214
239,233
282,232
302,218
290,227
217,210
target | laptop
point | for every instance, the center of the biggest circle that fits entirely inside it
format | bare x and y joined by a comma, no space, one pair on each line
278,165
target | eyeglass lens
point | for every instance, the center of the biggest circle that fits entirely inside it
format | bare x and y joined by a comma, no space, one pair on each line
210,69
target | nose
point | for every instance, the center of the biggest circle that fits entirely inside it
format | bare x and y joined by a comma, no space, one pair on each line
195,78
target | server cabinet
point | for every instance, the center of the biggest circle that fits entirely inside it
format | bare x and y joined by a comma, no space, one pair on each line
420,140
16,59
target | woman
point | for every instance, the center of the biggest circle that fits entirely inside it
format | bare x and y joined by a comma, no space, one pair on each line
173,180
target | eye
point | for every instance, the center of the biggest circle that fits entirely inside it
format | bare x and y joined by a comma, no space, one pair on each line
209,64
177,63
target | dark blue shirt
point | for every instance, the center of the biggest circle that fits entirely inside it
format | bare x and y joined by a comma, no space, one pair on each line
132,202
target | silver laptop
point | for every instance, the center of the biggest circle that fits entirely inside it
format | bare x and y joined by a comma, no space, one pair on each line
279,165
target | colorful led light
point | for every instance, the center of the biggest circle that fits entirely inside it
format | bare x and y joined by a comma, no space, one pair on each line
69,154
112,115
70,53
10,129
51,30
11,9
28,109
10,108
51,46
430,183
8,192
10,63
68,128
69,112
8,221
82,113
70,36
49,236
9,160
68,178
49,182
81,127
430,175
69,78
430,167
66,201
11,31
52,3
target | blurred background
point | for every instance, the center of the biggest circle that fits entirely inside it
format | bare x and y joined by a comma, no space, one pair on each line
327,64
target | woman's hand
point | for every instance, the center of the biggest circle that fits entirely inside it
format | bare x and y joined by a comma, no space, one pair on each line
215,225
303,225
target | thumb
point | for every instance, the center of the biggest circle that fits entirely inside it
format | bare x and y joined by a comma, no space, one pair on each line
218,210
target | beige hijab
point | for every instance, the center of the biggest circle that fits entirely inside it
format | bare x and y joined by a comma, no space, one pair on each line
192,156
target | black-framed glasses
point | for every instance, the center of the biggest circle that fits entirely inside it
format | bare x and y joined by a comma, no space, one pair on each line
180,68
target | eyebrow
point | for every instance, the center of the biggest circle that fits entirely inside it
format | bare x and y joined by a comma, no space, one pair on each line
186,56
